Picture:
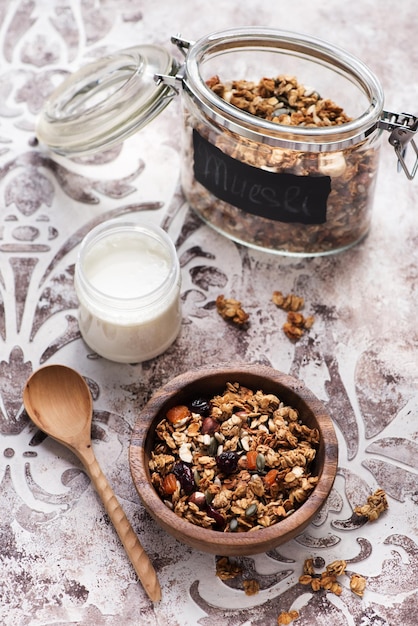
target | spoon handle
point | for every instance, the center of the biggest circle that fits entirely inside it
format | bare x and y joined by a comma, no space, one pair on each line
139,559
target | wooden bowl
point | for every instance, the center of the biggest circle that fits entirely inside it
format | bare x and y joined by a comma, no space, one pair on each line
210,381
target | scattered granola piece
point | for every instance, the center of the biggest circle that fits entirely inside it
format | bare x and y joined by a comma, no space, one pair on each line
337,568
231,310
292,332
226,569
316,584
251,587
327,580
336,588
308,322
291,302
358,584
295,319
296,325
287,617
376,505
308,567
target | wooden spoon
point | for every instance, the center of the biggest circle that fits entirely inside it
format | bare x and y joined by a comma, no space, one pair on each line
58,401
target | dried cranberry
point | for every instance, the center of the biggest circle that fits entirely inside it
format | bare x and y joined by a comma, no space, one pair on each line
184,474
227,462
201,406
219,519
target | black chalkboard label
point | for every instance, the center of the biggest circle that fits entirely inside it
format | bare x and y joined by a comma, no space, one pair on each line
279,197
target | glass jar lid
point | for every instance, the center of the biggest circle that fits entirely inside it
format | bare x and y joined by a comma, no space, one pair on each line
106,100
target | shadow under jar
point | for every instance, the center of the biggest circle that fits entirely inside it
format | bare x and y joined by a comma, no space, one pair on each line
299,190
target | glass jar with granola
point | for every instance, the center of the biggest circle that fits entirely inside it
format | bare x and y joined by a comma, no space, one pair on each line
281,141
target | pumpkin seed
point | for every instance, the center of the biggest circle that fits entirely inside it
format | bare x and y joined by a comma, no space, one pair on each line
260,461
213,447
251,510
233,524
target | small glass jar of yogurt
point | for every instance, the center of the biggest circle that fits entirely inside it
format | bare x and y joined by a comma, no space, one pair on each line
127,279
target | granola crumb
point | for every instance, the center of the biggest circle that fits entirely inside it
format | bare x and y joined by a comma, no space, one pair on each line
231,310
251,587
327,579
287,617
358,584
375,506
296,323
226,569
291,302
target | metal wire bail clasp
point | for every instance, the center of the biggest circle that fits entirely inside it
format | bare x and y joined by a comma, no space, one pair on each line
173,80
402,128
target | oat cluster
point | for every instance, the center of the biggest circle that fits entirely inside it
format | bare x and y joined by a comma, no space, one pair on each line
231,310
244,465
290,302
227,569
295,326
328,579
287,617
375,506
296,323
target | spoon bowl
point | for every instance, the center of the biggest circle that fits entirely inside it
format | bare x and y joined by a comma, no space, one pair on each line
59,402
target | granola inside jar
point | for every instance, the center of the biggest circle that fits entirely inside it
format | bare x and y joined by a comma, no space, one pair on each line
280,141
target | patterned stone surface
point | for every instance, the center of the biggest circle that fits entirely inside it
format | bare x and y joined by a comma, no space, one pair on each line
60,560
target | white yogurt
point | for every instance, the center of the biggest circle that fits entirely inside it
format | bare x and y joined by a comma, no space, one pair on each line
127,280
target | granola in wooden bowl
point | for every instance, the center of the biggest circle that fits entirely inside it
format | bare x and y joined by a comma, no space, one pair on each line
233,460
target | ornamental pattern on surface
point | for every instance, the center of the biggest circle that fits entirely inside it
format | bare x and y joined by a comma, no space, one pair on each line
37,300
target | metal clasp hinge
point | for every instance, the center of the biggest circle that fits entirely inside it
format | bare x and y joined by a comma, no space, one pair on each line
402,128
172,80
182,44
